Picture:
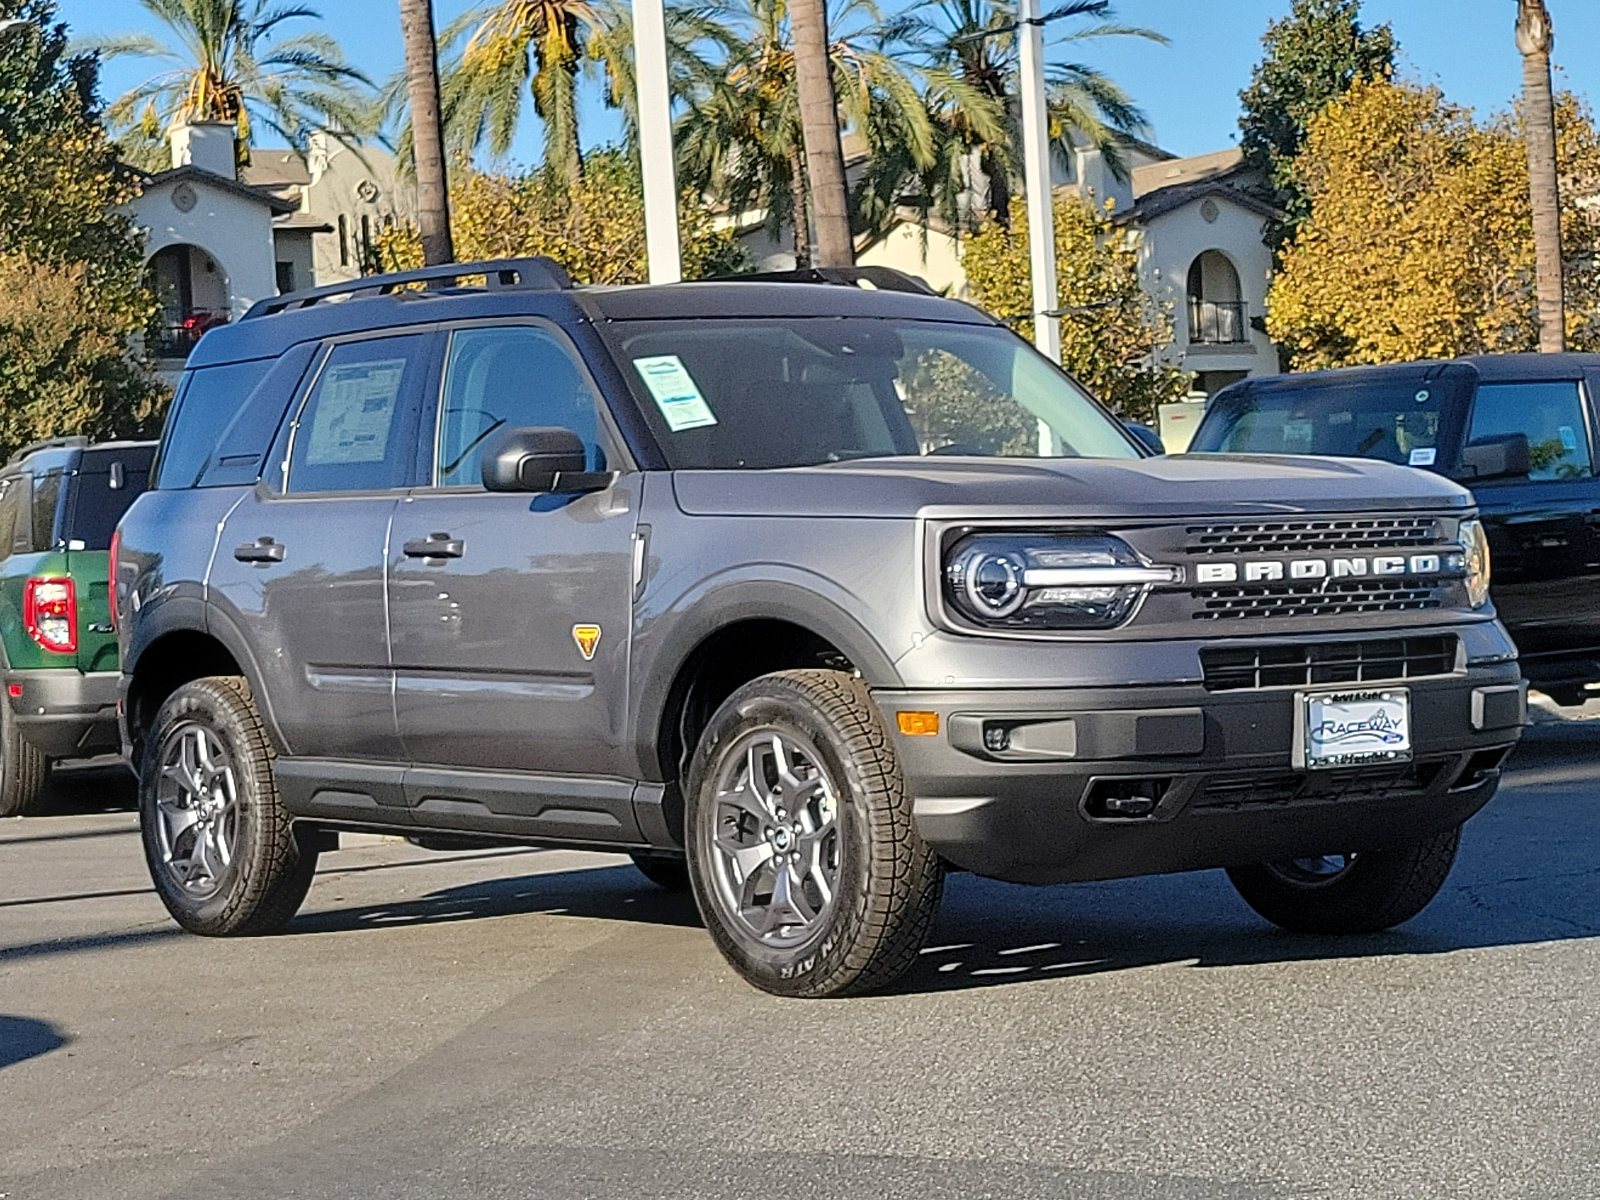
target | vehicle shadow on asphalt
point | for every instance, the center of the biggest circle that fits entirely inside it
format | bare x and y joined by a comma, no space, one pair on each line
22,1038
88,786
1527,873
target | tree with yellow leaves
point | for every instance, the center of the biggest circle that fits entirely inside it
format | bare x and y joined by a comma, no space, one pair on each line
1419,238
1111,328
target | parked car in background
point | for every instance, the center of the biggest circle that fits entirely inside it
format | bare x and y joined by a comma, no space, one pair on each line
1519,429
60,501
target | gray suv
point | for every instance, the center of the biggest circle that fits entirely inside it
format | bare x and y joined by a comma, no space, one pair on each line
801,591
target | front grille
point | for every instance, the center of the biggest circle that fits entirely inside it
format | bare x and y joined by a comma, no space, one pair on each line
1346,536
1320,598
1280,789
1379,660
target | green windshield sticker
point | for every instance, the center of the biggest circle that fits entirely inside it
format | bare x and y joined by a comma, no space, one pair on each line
675,391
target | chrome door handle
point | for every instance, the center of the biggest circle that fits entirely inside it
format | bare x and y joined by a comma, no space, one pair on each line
262,550
435,545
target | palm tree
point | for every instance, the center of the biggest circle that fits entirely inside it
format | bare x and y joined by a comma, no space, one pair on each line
819,127
1535,39
226,61
742,136
973,42
422,79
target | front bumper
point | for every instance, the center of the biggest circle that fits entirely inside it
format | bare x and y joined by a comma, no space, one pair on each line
64,712
1218,766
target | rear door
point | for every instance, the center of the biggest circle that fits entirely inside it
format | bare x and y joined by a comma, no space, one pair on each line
300,562
1542,530
511,644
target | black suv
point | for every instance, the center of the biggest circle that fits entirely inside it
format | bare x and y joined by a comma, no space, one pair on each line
768,584
1519,429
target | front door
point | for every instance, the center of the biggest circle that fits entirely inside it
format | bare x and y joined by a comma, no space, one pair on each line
510,612
1542,537
300,563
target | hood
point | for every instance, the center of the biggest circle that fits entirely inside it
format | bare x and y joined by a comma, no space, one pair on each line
1182,485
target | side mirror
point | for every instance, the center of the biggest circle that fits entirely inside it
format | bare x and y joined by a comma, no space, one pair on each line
539,459
1146,437
1503,456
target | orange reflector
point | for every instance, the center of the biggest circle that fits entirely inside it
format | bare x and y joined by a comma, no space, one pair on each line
918,724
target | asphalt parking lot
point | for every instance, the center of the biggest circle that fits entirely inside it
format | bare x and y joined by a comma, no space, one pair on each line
546,1023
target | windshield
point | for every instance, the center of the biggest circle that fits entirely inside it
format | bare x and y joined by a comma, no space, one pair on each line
742,393
1406,419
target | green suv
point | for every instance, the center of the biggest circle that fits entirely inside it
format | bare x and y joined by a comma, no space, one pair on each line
60,501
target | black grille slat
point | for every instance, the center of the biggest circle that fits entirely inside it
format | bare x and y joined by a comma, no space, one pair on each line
1341,536
1275,790
1374,660
1324,598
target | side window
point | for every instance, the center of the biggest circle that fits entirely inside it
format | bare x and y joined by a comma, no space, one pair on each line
509,377
1551,414
46,498
13,503
357,430
241,448
208,403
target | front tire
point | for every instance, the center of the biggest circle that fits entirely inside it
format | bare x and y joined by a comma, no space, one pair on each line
806,866
23,769
222,851
1350,893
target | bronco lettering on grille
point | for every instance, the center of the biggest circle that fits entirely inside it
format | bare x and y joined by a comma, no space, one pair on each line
1268,570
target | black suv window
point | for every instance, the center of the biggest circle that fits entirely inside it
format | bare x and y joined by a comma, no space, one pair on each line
509,377
356,431
99,500
1550,413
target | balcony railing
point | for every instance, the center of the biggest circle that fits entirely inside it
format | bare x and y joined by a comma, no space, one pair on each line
179,329
1217,323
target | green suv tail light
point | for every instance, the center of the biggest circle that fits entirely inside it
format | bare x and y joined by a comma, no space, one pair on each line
50,611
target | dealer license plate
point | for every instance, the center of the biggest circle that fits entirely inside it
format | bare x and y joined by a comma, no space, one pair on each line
1349,729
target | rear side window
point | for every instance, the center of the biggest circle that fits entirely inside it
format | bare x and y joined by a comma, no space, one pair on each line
46,499
99,499
14,521
357,430
210,399
1550,414
242,447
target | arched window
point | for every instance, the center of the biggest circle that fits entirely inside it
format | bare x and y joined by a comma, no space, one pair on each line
192,291
1216,303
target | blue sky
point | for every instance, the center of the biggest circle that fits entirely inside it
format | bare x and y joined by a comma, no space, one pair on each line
1189,88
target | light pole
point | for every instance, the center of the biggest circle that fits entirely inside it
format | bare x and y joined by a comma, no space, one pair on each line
655,142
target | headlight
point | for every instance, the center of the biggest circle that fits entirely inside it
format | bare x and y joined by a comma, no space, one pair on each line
1475,543
1047,581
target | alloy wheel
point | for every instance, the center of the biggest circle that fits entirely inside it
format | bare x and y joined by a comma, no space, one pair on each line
197,809
775,843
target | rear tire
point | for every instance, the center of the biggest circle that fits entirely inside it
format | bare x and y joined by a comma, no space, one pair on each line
1371,891
223,853
669,872
24,769
806,865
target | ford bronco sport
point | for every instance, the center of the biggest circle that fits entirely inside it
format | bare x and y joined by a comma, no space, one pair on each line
60,500
800,593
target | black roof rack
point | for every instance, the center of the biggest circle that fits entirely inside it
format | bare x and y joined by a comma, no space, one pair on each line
884,279
538,274
71,441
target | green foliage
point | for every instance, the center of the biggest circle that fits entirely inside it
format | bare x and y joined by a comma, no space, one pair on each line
594,229
1312,57
1419,237
235,66
71,264
950,402
1111,329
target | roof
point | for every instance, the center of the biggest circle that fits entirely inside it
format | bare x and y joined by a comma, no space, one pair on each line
1153,176
195,174
1495,367
1168,199
268,336
275,169
303,221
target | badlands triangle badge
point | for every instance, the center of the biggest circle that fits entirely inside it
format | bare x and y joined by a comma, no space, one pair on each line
587,637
